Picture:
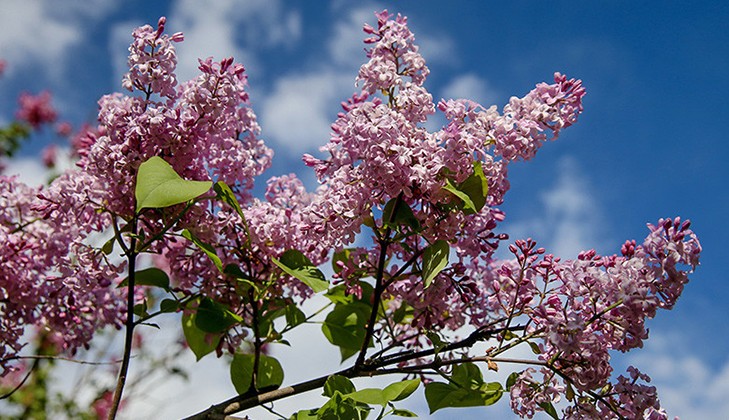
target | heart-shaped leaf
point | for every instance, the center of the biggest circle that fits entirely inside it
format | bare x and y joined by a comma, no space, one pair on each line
158,185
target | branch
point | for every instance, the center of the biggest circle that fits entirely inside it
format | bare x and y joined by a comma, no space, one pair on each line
379,285
129,333
246,401
242,402
65,359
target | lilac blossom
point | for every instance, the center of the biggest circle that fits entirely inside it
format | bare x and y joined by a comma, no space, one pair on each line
36,110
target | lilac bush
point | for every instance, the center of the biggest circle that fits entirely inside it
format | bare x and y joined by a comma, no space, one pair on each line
167,172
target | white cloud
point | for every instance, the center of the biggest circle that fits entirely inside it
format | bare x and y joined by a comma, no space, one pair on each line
299,111
689,387
120,37
470,86
35,33
345,45
301,107
228,28
29,170
434,49
32,172
570,220
28,34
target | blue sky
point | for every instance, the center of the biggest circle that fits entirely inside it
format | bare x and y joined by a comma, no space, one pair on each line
651,142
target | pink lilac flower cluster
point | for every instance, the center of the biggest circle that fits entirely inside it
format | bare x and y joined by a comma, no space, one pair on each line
152,61
48,279
379,151
36,110
584,308
203,128
626,399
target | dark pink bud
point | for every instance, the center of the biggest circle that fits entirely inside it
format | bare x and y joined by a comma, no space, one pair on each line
225,63
368,29
161,25
686,224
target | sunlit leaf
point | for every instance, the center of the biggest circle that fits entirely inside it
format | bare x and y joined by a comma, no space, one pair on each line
158,185
296,264
206,248
338,383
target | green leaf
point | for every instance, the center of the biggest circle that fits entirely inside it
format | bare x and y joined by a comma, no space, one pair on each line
140,309
206,248
403,312
466,389
403,413
234,271
168,305
393,392
213,317
467,203
570,393
225,194
149,277
344,327
305,415
511,380
467,373
270,372
338,383
296,264
158,185
472,192
294,316
340,408
549,409
535,347
338,294
438,343
108,246
476,187
440,395
403,216
368,396
241,372
435,259
200,342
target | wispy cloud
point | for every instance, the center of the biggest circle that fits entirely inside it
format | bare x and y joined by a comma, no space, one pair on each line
470,86
229,28
688,386
570,218
299,111
36,33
